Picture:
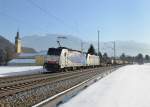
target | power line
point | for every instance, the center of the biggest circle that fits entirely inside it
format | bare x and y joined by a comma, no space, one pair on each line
11,17
14,19
49,13
45,12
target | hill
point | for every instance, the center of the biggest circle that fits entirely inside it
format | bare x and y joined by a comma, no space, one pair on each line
28,50
7,50
50,40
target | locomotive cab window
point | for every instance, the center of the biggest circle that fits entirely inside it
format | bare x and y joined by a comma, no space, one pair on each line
54,51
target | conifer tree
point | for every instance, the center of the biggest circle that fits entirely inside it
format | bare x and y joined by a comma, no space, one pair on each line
91,50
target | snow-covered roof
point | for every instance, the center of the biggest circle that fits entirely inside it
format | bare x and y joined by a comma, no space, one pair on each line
30,55
22,61
19,70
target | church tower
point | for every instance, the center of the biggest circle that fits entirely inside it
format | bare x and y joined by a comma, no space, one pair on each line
18,43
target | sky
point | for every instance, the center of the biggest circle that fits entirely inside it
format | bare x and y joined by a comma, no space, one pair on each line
116,19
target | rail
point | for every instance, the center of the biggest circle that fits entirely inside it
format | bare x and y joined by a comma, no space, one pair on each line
64,96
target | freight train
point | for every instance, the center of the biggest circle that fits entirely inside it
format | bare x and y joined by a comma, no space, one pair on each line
62,59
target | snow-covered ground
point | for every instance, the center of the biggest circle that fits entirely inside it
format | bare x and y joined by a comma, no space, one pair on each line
19,70
128,86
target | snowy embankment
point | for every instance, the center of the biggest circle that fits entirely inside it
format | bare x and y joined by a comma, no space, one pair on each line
128,86
19,70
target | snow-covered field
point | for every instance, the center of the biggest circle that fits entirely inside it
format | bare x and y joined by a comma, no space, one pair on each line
19,70
128,86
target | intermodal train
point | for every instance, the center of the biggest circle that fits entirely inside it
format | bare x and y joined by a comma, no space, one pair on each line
62,59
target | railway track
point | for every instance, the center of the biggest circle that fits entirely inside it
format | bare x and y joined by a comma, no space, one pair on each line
58,81
5,80
14,85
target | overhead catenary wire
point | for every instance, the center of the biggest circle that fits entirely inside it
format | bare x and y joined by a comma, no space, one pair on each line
50,14
17,20
11,17
33,3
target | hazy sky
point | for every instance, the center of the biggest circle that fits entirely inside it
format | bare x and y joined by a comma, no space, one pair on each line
116,19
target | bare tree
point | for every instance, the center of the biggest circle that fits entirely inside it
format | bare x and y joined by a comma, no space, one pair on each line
2,57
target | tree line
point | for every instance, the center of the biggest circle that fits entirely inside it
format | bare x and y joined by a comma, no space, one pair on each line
6,55
104,58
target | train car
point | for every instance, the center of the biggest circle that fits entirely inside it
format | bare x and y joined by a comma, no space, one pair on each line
93,60
62,58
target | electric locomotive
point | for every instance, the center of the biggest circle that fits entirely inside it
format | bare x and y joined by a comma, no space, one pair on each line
61,58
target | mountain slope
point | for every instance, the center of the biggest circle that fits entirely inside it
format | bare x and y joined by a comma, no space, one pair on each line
49,40
42,43
7,50
4,43
28,50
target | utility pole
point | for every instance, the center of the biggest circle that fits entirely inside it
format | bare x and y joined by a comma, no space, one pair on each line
114,52
98,48
98,40
82,46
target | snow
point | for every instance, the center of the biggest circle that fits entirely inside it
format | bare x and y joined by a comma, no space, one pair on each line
19,70
31,54
22,61
128,86
27,54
